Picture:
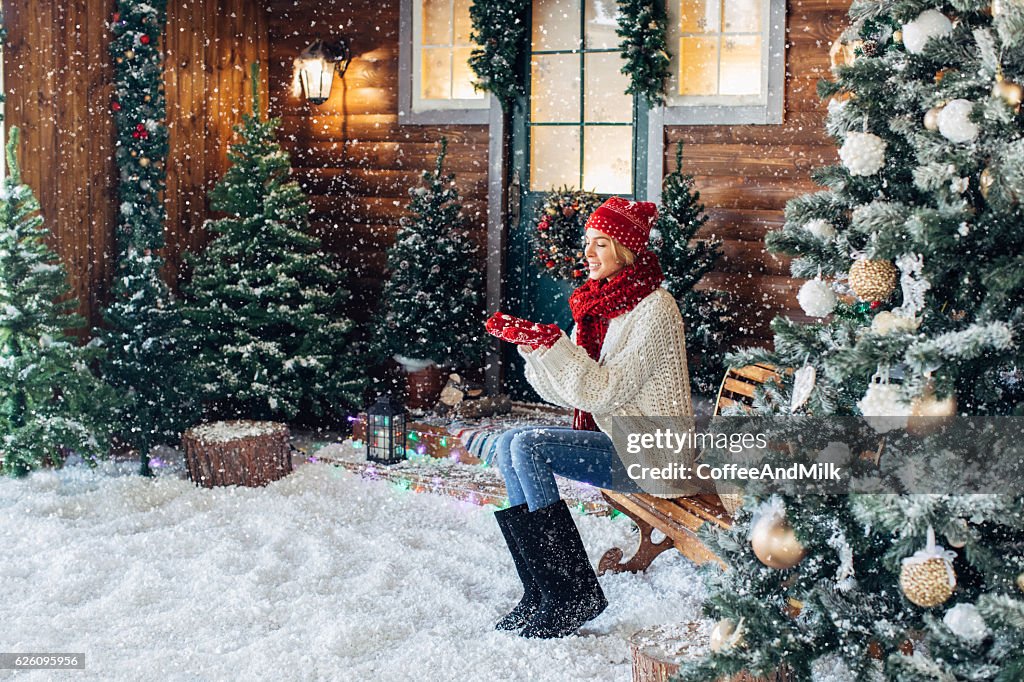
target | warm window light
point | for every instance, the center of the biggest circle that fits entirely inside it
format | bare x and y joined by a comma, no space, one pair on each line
316,66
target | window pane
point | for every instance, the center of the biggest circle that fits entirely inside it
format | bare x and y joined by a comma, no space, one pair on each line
699,16
436,77
463,76
554,157
606,101
463,26
556,25
698,66
742,16
555,85
741,65
601,24
608,159
437,22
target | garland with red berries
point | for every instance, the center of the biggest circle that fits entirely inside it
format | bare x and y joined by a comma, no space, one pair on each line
557,238
139,108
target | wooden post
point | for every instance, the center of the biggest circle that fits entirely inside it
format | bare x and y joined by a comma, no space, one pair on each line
248,453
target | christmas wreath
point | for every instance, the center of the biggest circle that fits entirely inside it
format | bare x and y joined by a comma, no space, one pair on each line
643,25
558,236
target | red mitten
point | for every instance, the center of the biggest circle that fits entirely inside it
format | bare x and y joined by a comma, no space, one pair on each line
519,331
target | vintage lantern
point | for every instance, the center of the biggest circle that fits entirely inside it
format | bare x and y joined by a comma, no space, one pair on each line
385,431
317,65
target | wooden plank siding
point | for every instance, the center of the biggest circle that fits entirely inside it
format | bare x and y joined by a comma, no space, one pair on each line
59,83
350,154
747,173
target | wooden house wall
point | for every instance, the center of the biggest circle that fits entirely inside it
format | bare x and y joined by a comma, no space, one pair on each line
59,82
747,173
350,154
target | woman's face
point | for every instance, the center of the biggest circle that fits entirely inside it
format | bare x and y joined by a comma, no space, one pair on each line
600,255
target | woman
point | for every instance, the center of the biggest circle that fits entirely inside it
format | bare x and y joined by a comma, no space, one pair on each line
626,358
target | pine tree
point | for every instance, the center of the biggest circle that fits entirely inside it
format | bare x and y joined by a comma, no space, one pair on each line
432,303
685,260
266,305
50,402
146,362
916,301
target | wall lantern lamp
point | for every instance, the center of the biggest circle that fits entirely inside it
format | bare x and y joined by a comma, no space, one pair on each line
317,65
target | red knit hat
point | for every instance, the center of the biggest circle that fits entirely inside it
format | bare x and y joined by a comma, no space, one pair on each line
627,222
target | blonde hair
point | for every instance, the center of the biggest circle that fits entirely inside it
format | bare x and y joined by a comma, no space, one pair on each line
622,254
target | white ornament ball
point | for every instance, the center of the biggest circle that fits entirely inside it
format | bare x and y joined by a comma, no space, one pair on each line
863,153
965,622
822,229
816,298
883,408
929,24
954,121
887,322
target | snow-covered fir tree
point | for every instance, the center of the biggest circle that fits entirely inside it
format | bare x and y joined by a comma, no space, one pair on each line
265,305
917,299
685,260
432,305
51,405
146,362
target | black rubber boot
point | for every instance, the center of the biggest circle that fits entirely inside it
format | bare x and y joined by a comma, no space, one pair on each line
510,521
554,550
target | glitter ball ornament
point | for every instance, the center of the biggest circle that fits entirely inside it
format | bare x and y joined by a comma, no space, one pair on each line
964,621
773,540
822,229
726,635
985,182
928,24
816,298
1020,582
931,118
144,161
129,54
927,578
887,322
928,413
882,406
873,280
954,121
863,153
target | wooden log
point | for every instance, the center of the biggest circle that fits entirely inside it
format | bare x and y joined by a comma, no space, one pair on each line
249,453
657,651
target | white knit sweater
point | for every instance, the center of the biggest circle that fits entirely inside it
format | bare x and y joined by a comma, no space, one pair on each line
641,374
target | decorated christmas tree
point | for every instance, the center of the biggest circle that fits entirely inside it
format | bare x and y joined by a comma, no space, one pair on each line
685,260
145,362
916,304
433,298
51,405
265,305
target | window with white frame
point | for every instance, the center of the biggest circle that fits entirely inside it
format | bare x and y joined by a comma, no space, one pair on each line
728,61
436,82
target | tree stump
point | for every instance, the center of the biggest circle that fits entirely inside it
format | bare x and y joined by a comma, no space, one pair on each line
658,650
243,452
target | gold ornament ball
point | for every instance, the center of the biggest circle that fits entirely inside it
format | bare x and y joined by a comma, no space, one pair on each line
928,414
1020,582
725,635
931,118
873,280
129,54
134,153
120,60
928,583
144,161
774,543
985,182
897,36
146,98
1010,92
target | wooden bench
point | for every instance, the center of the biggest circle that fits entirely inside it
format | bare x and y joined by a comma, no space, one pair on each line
680,518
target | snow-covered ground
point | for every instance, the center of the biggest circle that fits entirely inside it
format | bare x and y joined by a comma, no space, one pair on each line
320,576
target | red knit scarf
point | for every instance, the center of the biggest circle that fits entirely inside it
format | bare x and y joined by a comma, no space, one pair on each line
596,302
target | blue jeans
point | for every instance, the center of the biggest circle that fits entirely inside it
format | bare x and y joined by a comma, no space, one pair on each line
530,456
